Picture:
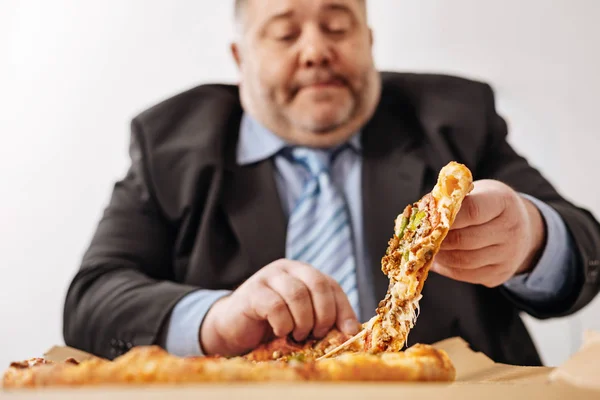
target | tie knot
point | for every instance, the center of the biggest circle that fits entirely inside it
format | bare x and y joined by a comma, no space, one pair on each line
315,161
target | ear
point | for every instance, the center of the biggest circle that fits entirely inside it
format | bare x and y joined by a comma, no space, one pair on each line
235,52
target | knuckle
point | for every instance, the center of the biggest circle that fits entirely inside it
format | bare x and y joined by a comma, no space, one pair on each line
456,238
276,305
511,227
279,264
319,283
506,198
271,269
297,293
473,211
455,259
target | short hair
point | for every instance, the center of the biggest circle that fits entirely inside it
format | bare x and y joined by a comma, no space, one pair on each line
240,6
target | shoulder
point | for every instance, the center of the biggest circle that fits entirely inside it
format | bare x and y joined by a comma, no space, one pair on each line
423,89
202,98
182,141
197,119
454,112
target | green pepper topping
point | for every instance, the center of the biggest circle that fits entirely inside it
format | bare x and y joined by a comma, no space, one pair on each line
406,255
403,224
416,220
297,357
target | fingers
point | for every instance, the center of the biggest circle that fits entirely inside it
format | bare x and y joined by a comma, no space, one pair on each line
346,320
298,299
489,275
268,305
472,238
336,308
471,259
487,201
322,299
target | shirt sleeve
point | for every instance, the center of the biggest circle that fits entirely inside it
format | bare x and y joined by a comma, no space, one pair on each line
553,277
182,338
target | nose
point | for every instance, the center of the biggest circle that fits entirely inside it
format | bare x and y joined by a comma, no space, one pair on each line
316,50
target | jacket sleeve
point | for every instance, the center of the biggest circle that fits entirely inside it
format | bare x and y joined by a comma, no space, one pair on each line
500,161
123,292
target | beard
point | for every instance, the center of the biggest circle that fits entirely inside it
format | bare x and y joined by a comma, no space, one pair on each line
323,101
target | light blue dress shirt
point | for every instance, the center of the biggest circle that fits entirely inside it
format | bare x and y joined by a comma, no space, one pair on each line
550,279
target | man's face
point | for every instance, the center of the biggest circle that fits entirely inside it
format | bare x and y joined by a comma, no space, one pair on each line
307,71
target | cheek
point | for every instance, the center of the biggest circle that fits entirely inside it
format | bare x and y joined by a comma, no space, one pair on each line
356,61
274,75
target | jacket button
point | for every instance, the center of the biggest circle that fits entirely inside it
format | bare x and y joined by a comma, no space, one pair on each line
113,342
129,345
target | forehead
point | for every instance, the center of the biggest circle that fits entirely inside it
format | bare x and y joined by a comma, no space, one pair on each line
261,11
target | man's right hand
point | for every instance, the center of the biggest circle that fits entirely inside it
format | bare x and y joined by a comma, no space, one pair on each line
285,297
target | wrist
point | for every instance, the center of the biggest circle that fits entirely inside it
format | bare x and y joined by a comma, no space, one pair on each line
537,236
209,336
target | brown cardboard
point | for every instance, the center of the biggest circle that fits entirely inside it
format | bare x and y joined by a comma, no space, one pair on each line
583,368
61,353
472,367
477,377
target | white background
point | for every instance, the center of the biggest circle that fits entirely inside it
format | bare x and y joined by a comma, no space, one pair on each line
73,73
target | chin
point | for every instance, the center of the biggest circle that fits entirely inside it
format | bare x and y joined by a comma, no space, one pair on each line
324,140
322,127
324,120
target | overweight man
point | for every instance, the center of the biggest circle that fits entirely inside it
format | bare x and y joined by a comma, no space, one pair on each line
263,209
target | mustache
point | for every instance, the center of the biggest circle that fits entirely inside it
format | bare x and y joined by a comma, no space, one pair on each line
319,77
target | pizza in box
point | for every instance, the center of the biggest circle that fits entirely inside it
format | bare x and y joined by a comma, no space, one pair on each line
377,353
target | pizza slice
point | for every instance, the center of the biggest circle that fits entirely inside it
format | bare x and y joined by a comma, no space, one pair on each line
418,235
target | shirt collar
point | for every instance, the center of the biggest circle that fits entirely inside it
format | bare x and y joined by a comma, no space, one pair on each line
257,143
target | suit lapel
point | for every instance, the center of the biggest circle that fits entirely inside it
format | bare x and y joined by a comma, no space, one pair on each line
254,210
392,177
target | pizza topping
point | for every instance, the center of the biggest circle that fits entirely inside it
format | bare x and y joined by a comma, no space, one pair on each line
297,357
418,233
32,362
403,225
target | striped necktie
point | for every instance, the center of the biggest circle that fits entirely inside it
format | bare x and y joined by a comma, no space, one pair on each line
319,230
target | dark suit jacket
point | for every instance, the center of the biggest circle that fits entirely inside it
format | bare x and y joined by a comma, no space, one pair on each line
186,216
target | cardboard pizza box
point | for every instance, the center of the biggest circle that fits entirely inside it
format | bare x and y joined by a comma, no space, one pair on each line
478,377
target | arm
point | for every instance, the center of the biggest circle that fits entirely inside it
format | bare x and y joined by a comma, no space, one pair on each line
182,333
123,292
499,161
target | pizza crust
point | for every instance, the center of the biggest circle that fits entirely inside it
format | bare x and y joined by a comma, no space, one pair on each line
153,365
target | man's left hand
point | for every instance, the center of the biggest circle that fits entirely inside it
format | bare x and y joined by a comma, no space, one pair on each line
496,234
